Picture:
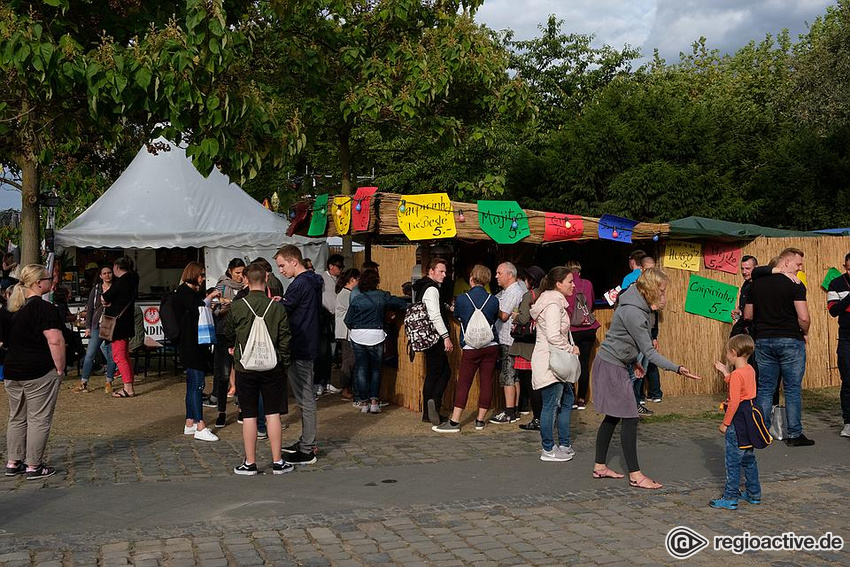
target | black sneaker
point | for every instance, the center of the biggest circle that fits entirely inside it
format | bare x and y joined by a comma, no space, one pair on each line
801,441
208,402
291,448
643,411
479,425
433,413
262,435
41,471
282,468
221,420
239,418
533,425
300,458
503,418
245,469
19,468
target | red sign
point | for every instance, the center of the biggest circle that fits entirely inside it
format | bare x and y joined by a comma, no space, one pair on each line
152,315
722,256
561,226
360,208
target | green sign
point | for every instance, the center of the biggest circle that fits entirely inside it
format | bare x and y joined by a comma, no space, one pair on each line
710,298
319,220
831,274
503,221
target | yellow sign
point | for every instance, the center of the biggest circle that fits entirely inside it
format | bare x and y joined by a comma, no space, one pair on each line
342,214
802,275
682,255
422,217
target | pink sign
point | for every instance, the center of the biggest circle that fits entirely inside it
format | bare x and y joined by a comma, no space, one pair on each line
560,226
360,208
722,256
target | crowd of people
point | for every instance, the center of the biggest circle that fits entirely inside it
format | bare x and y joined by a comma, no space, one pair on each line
534,336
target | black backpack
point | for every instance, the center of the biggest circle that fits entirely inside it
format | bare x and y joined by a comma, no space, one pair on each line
168,318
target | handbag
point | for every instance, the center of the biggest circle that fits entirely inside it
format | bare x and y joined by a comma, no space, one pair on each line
106,327
525,332
206,326
564,364
778,423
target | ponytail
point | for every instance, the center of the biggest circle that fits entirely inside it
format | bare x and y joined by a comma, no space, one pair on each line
555,275
17,299
30,274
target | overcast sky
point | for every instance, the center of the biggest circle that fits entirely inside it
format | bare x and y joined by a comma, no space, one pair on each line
670,25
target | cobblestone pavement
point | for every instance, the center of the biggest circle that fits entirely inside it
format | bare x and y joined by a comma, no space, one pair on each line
612,525
95,461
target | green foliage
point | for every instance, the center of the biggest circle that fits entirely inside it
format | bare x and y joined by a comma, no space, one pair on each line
409,76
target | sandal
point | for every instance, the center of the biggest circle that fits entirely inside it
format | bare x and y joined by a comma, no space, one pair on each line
81,388
122,393
606,473
645,483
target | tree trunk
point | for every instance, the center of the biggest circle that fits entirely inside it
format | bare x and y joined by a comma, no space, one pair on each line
345,165
30,241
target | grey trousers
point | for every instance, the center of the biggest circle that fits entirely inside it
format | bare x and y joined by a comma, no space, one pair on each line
301,381
31,405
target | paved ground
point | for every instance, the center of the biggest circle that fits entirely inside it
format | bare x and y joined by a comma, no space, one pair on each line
471,499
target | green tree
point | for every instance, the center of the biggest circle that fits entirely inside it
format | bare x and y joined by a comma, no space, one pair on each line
83,76
389,75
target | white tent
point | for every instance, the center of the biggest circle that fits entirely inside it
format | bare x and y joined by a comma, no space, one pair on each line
161,201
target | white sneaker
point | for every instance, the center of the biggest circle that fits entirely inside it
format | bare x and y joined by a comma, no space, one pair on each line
553,456
566,450
190,430
364,408
846,431
331,389
206,435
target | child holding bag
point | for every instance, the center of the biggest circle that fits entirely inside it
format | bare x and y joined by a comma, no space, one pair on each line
743,425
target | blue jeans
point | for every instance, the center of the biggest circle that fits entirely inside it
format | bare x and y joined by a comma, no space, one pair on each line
194,394
736,459
95,343
785,357
367,369
557,397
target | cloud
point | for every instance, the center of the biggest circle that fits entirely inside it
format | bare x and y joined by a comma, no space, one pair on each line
669,25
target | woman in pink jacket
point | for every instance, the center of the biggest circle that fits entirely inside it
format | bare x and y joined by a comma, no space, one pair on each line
553,331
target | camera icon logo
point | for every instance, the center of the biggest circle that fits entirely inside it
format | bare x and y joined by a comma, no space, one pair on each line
682,542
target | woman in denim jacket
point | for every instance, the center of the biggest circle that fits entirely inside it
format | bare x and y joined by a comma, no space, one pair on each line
365,322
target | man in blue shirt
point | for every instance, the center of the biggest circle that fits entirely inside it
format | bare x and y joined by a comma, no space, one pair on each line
635,259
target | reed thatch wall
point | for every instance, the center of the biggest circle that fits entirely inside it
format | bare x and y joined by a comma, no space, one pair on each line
695,342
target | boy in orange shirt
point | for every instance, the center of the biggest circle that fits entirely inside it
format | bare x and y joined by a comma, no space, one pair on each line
742,424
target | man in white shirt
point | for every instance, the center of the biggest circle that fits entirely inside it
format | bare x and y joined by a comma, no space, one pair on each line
509,300
335,265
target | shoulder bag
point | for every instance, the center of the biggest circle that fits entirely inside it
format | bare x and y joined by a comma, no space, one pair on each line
106,328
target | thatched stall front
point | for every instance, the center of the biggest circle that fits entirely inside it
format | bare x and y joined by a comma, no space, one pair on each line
688,339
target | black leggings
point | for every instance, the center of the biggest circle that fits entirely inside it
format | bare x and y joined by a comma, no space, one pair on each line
628,439
437,374
527,392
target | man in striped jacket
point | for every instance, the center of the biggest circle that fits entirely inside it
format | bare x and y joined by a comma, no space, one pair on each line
838,301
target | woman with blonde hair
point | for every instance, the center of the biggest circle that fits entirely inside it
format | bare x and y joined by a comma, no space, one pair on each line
613,393
32,331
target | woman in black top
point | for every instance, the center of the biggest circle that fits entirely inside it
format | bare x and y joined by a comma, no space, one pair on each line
32,330
120,301
188,297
